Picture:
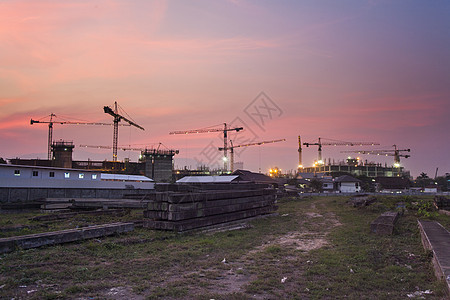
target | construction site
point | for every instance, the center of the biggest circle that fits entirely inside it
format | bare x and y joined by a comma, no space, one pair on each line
157,163
214,232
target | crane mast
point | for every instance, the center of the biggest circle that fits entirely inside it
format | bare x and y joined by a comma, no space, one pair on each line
300,163
117,118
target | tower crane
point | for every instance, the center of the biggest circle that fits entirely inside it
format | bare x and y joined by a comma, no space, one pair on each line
396,153
246,145
50,128
117,118
336,143
207,130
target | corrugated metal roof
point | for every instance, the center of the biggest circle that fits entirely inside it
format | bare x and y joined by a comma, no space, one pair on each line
124,177
207,179
254,177
346,178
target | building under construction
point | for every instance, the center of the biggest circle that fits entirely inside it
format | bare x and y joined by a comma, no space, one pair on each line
156,164
353,167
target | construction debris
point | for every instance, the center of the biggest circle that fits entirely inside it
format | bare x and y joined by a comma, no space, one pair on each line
362,200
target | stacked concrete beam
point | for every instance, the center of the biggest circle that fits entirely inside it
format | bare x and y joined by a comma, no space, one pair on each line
180,211
64,236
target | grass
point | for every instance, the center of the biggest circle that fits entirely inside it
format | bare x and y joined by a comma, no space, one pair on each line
266,260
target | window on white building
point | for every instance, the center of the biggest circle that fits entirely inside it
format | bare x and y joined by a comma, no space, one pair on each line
35,173
51,174
94,176
81,175
16,172
67,175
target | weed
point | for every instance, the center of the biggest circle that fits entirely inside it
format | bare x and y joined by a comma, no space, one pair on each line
174,292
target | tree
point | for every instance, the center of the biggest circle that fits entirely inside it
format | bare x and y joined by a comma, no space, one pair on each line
367,185
423,180
423,175
443,183
316,185
2,161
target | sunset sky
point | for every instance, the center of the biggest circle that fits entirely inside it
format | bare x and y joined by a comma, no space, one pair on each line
374,70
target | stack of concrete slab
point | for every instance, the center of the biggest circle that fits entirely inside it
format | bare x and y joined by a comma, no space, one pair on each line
186,210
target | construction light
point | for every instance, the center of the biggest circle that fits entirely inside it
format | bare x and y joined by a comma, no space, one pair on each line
396,165
224,159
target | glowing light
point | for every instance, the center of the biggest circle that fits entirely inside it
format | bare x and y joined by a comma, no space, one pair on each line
224,158
396,165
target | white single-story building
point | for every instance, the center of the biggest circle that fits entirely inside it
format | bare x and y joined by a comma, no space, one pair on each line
348,184
430,189
18,176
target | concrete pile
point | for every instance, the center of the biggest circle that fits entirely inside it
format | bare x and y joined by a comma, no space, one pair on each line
385,223
186,207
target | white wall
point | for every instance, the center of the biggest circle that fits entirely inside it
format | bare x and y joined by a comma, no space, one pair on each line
349,187
43,179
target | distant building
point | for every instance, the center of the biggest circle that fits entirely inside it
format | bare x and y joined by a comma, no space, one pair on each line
249,176
327,185
430,189
154,163
49,177
391,184
209,179
28,183
369,170
348,184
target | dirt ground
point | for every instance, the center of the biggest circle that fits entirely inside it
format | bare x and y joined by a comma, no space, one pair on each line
232,277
